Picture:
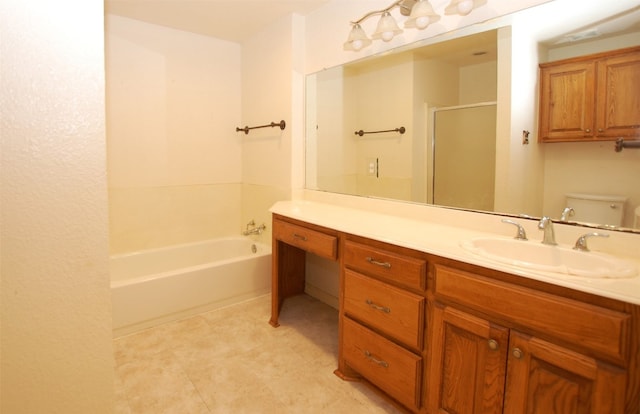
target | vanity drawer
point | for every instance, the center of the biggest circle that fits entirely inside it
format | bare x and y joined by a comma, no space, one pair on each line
387,308
406,270
387,365
598,329
309,240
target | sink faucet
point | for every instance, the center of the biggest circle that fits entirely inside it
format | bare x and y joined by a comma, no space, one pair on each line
549,236
521,234
566,213
581,243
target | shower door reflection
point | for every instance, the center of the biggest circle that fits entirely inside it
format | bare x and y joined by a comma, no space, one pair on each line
464,144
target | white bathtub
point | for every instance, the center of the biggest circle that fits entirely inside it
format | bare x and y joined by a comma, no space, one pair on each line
159,285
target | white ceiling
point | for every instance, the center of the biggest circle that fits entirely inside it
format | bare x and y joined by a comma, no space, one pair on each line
233,20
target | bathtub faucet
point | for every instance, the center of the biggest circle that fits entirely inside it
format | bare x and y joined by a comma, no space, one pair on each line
252,229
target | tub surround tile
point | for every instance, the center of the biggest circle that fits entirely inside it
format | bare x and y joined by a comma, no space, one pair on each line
149,217
232,360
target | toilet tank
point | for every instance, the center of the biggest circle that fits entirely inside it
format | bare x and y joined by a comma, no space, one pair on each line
598,209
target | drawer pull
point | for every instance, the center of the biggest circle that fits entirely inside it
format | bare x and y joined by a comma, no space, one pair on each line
374,359
517,353
299,236
377,263
493,344
378,307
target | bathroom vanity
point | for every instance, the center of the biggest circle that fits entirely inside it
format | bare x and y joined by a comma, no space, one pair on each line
440,332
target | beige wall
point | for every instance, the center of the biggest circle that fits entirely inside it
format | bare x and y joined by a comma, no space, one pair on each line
387,106
178,170
55,298
272,90
174,158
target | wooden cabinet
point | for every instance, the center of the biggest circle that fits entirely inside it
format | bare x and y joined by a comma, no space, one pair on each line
383,362
306,238
291,240
382,315
591,98
384,264
394,311
543,377
442,336
491,358
467,363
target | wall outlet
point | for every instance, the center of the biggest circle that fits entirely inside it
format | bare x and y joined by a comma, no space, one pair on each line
372,167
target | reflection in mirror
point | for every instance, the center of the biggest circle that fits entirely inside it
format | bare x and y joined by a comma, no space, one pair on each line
467,105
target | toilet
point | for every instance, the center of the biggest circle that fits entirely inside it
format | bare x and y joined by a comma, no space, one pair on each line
597,209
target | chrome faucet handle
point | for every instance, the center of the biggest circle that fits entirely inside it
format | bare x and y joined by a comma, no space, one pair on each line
566,213
546,225
581,243
521,234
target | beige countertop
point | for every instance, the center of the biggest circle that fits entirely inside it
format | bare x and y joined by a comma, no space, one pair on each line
438,236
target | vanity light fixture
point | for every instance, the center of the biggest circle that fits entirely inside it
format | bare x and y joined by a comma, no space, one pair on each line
387,28
463,7
357,38
421,15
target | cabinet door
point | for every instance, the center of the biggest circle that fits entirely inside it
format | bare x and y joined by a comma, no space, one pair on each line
618,99
543,378
467,364
567,99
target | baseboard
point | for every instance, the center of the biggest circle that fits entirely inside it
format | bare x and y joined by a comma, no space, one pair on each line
321,295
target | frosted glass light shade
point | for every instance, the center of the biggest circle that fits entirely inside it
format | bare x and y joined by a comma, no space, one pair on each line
422,15
463,7
387,28
357,39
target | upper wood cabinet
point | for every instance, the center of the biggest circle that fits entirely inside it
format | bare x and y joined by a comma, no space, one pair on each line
595,97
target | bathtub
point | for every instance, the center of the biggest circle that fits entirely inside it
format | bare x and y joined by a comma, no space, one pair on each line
160,285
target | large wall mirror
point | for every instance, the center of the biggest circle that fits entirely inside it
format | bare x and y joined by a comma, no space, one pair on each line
453,121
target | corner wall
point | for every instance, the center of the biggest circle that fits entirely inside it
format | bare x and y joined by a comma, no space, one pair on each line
272,90
55,302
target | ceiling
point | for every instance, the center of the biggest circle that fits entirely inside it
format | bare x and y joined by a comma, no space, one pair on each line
232,20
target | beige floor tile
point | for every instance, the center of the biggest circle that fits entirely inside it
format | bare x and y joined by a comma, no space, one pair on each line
232,361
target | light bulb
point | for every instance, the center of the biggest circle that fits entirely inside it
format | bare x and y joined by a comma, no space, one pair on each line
465,7
356,44
422,22
386,36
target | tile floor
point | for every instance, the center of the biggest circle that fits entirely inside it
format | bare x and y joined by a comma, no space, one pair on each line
232,361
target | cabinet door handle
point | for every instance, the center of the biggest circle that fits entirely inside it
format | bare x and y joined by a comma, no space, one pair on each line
299,236
374,359
587,130
493,344
517,353
600,130
378,307
377,263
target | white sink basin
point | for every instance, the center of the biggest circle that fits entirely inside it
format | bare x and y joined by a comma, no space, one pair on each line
537,256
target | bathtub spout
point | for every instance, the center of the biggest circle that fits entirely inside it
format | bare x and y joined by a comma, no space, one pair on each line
252,229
